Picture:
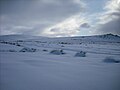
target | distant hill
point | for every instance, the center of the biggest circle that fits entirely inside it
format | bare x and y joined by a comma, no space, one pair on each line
109,38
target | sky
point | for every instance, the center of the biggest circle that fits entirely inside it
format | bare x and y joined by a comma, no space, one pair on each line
59,18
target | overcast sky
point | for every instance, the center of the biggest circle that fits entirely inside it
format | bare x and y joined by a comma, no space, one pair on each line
59,17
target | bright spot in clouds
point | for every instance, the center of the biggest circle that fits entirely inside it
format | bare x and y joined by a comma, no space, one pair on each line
69,27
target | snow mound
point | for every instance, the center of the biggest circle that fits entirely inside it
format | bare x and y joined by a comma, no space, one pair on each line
57,52
111,60
80,54
45,50
27,50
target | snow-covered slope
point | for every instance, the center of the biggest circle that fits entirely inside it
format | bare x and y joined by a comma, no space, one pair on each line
18,37
66,63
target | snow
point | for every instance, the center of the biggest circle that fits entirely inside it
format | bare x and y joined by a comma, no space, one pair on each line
80,54
41,70
111,60
57,52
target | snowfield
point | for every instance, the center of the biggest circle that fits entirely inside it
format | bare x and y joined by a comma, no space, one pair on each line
67,63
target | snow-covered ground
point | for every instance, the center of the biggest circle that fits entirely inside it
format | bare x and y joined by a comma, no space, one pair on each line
28,63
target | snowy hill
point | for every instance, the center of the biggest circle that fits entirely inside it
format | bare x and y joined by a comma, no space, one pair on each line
109,36
18,37
64,63
74,40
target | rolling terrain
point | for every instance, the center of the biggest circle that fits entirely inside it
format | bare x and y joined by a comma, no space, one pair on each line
63,63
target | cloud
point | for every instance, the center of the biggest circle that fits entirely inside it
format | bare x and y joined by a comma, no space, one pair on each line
35,15
59,17
85,25
109,21
69,27
110,27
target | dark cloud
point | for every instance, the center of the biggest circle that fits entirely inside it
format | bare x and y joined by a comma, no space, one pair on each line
85,25
110,19
54,29
37,14
112,26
